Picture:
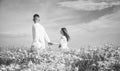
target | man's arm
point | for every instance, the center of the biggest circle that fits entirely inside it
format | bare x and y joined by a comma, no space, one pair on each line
34,33
46,37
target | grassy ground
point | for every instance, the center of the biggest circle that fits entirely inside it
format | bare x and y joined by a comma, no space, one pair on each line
106,58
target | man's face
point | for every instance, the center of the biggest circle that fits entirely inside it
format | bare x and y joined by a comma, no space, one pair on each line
36,19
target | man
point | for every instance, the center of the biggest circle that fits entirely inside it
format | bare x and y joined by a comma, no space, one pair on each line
39,34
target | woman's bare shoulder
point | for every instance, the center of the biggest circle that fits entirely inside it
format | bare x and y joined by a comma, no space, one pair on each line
63,37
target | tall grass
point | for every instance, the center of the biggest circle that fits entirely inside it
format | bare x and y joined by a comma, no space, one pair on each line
106,58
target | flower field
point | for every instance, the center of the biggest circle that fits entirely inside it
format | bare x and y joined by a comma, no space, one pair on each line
106,58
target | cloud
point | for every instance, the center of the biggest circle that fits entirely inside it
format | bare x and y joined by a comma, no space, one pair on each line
88,5
109,23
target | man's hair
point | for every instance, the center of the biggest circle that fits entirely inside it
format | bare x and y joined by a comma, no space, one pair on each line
35,15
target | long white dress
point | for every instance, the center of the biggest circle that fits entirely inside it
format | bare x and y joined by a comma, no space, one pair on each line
64,43
39,36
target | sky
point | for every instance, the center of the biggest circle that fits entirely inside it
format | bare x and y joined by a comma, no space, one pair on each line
89,22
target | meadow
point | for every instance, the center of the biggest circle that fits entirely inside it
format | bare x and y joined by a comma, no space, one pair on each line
106,58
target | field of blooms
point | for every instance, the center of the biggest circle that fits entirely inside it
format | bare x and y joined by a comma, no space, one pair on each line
106,58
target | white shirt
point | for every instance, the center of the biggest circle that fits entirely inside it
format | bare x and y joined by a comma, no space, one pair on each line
63,42
39,35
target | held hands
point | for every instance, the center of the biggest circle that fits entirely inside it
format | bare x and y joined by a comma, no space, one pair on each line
50,43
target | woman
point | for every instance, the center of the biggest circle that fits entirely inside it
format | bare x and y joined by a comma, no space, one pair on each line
64,39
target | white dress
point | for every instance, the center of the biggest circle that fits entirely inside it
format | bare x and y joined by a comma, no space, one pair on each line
39,36
63,43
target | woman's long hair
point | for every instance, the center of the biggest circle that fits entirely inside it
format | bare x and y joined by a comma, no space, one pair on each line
65,33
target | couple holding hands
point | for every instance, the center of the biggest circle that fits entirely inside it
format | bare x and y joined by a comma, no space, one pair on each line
40,35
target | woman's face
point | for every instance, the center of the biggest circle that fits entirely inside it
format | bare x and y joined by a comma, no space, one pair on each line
61,32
